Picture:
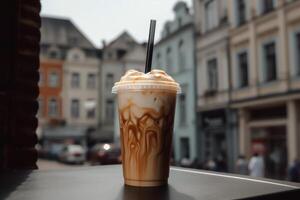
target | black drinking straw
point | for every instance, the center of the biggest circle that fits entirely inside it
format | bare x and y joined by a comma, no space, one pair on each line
150,46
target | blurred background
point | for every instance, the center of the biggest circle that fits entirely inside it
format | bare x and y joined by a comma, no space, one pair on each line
237,61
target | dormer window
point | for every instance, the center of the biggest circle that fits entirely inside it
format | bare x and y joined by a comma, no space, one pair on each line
53,54
73,40
76,55
120,53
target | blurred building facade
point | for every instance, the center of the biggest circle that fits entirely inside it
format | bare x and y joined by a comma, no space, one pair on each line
216,120
81,87
174,53
119,55
69,74
265,52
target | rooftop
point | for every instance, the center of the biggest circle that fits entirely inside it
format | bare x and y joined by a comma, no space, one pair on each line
63,32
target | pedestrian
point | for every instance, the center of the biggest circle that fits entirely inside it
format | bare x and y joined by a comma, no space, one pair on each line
241,165
221,165
294,171
195,164
256,166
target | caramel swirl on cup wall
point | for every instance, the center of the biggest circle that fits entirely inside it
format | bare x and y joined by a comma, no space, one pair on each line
146,137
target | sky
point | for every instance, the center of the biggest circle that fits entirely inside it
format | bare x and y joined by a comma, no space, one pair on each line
106,19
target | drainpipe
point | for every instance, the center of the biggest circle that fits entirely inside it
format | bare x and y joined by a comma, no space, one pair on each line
198,132
231,126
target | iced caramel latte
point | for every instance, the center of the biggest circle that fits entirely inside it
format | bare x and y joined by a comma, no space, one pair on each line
146,105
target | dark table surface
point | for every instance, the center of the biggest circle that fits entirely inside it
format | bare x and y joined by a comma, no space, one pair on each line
106,182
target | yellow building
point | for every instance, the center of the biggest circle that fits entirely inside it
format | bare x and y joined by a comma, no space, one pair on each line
265,78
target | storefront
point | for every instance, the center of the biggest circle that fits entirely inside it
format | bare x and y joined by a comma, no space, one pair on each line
217,137
271,130
270,142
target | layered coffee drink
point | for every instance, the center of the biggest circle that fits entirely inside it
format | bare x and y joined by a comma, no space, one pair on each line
146,105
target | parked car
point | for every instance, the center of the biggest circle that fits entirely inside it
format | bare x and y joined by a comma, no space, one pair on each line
51,151
105,154
73,154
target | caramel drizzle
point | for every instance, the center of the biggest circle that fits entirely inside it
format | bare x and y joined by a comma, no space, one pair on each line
145,138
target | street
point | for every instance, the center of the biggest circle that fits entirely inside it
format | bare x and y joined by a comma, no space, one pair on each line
44,164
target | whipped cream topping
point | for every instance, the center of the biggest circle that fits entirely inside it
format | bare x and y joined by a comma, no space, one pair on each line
155,74
156,79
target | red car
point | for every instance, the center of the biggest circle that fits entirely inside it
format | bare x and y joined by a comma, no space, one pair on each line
105,154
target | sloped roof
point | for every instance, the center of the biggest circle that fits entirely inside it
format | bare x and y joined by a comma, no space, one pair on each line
123,41
63,32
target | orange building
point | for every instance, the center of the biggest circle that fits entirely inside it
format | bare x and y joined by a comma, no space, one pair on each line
50,98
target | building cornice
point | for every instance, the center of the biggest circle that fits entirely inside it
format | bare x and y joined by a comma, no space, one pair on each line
266,99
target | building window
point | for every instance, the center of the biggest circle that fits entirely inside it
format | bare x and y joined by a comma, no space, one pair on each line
109,81
75,57
267,5
169,59
75,108
41,107
181,56
210,14
297,54
90,106
53,108
42,78
53,54
91,81
109,110
270,62
212,69
91,113
241,11
184,147
75,80
182,108
243,69
53,79
109,55
158,60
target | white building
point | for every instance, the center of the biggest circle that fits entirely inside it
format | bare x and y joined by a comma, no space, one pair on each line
212,52
174,53
81,88
119,55
265,52
69,88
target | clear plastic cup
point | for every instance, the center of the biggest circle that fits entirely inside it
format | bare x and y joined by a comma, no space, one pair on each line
146,116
